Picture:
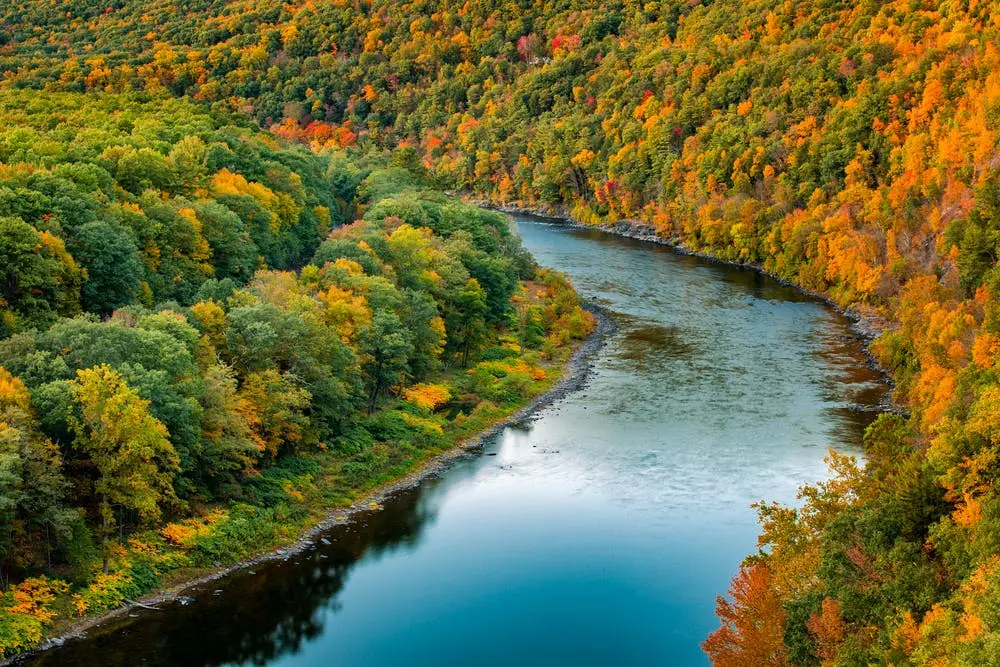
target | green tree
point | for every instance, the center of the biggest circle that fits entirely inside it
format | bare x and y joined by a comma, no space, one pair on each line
32,486
466,324
27,275
234,254
387,347
113,267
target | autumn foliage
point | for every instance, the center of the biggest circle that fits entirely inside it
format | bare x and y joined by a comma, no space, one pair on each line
752,622
197,358
427,396
848,147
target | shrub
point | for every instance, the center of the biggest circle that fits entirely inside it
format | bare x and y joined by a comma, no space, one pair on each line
366,466
25,611
427,396
109,591
183,533
242,533
498,354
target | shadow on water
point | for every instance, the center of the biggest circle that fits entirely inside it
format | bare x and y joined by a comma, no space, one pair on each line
641,342
256,616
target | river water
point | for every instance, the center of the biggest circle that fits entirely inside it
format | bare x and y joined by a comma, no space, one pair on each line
599,533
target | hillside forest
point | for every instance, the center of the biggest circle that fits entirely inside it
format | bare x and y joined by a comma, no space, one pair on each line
199,356
848,147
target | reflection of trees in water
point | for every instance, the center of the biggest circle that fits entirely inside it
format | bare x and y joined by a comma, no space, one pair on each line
747,279
857,391
260,617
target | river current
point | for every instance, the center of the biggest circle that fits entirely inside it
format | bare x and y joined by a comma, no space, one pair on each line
599,533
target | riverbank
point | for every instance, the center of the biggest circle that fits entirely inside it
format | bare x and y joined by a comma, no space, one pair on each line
575,372
866,326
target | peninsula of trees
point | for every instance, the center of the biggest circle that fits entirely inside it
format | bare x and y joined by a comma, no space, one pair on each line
198,357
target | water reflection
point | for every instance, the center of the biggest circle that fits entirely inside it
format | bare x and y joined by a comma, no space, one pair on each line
645,341
260,614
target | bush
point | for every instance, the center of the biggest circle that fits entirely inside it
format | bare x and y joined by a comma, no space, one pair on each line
502,382
25,610
366,466
427,396
265,491
242,533
274,486
109,591
498,354
354,439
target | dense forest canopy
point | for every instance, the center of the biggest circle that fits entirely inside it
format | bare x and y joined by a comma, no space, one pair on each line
198,356
131,195
837,143
851,147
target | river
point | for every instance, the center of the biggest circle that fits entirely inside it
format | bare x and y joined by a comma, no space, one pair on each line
597,534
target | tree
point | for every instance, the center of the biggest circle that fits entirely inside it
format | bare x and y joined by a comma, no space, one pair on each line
140,169
528,318
387,347
498,279
234,254
113,267
752,631
275,408
228,445
128,448
828,629
334,249
428,332
32,486
466,324
27,273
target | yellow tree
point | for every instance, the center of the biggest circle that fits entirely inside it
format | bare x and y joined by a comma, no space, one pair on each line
127,446
31,482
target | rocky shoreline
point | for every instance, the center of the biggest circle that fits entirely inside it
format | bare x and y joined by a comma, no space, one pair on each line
576,372
863,325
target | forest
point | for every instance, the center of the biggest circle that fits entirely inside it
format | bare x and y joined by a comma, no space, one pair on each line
851,148
199,357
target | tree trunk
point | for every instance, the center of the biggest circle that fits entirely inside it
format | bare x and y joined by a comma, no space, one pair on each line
373,397
5,562
104,530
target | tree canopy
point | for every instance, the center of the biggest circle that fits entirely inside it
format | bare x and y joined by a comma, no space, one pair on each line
196,353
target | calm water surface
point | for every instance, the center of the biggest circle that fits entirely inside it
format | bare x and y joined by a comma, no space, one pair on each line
598,534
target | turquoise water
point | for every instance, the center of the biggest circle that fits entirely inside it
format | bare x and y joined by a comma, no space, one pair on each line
599,533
